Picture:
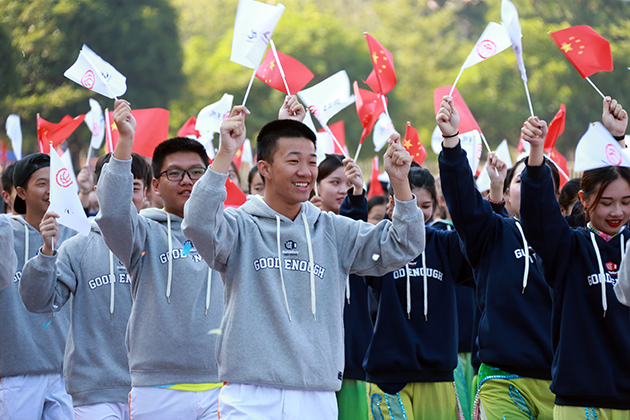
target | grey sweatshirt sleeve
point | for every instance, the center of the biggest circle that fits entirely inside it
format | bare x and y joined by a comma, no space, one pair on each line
387,246
213,231
8,261
47,282
121,226
622,287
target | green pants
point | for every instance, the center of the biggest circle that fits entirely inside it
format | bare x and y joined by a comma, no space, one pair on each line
503,396
352,400
416,401
565,412
464,374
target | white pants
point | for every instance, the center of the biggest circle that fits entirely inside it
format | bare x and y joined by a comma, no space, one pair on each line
239,402
102,411
152,403
35,397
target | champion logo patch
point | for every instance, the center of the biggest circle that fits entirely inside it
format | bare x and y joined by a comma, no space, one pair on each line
611,266
290,245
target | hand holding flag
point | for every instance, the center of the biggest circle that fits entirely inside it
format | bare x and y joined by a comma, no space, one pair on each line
598,148
413,145
94,73
614,117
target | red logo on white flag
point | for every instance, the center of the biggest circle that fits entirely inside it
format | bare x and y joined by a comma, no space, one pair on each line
96,129
613,155
63,178
88,79
486,49
479,149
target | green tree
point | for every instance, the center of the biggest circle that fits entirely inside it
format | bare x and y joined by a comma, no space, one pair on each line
139,38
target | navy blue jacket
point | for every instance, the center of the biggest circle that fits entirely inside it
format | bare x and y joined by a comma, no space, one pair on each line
356,318
411,349
591,365
515,327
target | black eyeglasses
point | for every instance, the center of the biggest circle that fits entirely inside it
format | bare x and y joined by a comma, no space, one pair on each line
178,174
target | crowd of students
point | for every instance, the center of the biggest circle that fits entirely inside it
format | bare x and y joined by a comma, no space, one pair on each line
435,301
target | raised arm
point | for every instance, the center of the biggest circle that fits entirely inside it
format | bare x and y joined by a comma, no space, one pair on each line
213,231
292,109
354,204
123,230
615,119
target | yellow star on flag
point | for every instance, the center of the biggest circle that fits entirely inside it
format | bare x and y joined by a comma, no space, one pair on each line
272,65
407,144
566,47
114,127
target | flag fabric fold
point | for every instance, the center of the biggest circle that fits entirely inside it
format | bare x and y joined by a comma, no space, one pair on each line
493,40
369,107
210,118
328,97
503,152
296,73
96,74
14,132
95,120
253,28
381,132
375,188
63,197
151,130
467,121
413,145
188,129
383,78
510,20
56,133
587,50
598,148
339,131
556,128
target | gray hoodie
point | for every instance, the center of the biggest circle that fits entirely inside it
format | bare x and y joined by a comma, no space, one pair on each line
622,287
175,305
95,363
30,344
284,281
8,263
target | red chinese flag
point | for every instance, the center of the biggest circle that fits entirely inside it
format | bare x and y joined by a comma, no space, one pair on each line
151,130
57,133
466,120
339,131
3,151
238,158
561,164
188,129
375,185
587,50
369,108
556,128
297,74
235,197
383,78
413,145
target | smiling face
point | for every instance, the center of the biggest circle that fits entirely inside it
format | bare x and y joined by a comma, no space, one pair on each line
290,176
513,193
424,201
613,209
36,195
333,189
176,193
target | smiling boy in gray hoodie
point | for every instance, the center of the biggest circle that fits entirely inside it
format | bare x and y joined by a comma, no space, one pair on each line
177,302
284,264
96,368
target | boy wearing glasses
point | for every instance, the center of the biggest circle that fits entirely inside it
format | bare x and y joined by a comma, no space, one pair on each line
177,300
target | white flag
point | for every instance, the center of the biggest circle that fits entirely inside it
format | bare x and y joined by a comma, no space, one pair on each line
308,121
253,27
94,73
63,197
436,140
503,152
471,143
247,153
509,19
66,159
95,120
328,97
492,41
325,145
598,148
210,118
14,132
381,132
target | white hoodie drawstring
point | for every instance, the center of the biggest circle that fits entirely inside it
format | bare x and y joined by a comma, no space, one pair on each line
348,288
312,266
526,249
170,258
208,289
602,274
408,286
284,290
26,239
112,279
425,284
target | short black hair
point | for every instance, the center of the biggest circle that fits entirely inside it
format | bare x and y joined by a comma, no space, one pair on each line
328,166
420,177
175,145
266,144
139,168
569,194
7,177
250,178
377,200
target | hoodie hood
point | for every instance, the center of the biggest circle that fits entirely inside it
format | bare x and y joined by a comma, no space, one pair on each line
257,206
